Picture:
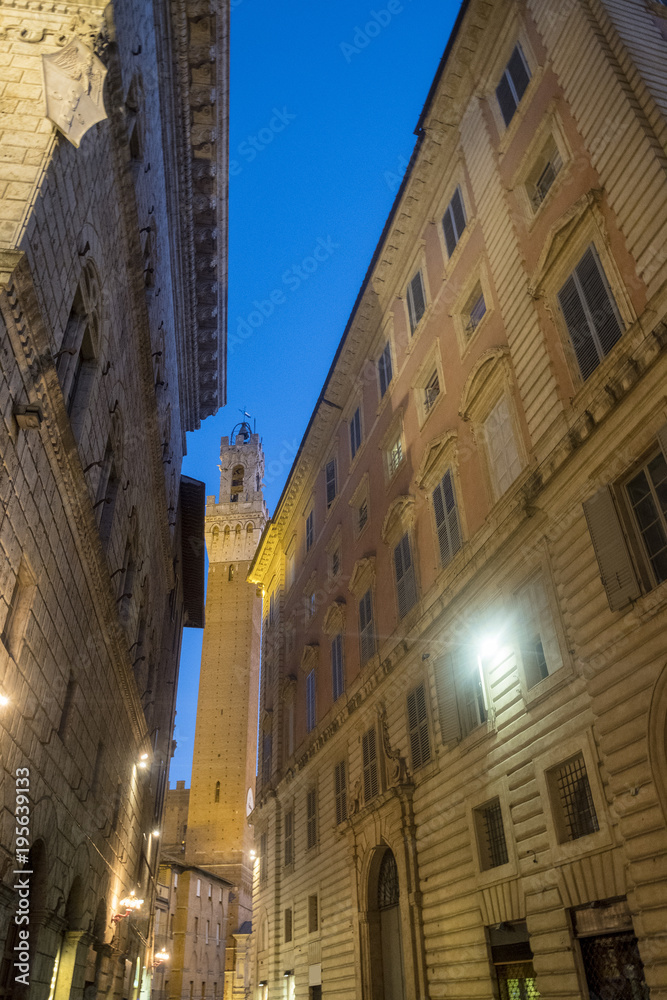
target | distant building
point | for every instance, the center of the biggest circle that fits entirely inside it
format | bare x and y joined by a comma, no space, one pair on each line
208,822
113,209
462,784
191,910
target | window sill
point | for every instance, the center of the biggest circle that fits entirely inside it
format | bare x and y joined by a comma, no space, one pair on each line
466,340
543,690
424,416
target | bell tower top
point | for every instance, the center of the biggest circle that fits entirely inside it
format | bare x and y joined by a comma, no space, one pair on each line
241,466
235,523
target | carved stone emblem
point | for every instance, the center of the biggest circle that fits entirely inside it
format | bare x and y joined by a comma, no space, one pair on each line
73,85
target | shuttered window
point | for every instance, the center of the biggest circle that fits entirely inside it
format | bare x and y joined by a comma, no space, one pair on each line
366,629
355,432
501,445
616,568
313,915
590,313
540,649
454,221
461,694
447,518
370,765
647,495
288,925
385,369
406,589
310,701
337,678
311,818
331,481
431,392
420,746
289,837
416,300
340,790
513,84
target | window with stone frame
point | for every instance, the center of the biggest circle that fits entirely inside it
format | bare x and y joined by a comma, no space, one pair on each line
366,627
394,454
418,728
385,370
590,312
454,221
404,573
490,831
431,391
313,914
337,674
536,631
355,432
474,310
340,791
501,446
461,693
513,84
546,167
416,299
331,481
572,799
287,923
447,523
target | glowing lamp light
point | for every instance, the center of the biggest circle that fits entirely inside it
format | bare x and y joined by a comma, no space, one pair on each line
488,647
156,833
4,700
162,956
131,902
253,854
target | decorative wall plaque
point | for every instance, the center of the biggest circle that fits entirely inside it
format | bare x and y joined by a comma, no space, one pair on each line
73,85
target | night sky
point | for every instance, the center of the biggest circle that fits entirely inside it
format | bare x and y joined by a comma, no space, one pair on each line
325,96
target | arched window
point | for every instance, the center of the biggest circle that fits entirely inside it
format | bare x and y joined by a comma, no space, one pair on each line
388,882
237,483
217,791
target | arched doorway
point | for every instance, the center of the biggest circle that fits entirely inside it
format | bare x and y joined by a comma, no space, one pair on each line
384,918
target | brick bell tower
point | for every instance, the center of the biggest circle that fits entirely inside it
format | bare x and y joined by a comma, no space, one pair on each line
225,749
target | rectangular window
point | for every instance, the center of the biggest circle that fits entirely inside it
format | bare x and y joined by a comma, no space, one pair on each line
647,497
416,300
217,934
502,448
609,951
513,84
475,310
545,170
366,630
454,221
310,701
471,687
335,563
513,961
385,371
491,835
289,837
337,678
288,924
447,518
210,891
394,455
331,483
311,818
19,609
196,928
355,432
540,649
340,789
590,313
406,587
431,392
363,515
310,530
207,931
569,781
199,887
370,765
420,746
263,852
313,915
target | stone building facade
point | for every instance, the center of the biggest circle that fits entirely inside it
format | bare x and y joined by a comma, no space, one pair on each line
208,822
191,916
112,346
463,790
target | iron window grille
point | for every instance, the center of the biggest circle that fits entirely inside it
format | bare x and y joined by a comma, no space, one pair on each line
576,800
416,300
340,789
388,887
491,835
544,182
370,765
454,221
431,392
590,313
385,371
420,745
513,84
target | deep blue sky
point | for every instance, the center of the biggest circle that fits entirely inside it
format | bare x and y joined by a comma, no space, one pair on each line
325,97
